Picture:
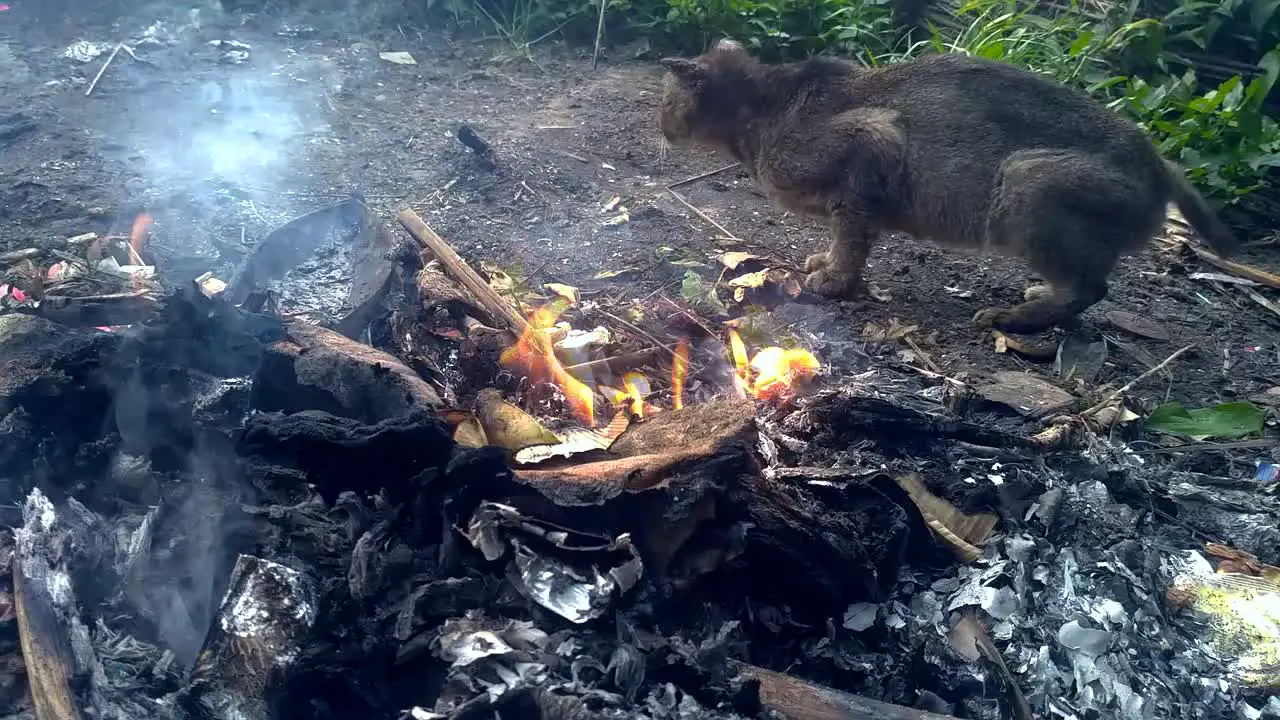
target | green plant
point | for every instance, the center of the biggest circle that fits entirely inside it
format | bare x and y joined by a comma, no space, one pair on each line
1223,137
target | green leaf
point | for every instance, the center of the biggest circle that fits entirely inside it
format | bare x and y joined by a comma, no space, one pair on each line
691,288
1228,420
1080,43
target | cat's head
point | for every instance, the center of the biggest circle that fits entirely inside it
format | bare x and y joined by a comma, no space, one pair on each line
703,96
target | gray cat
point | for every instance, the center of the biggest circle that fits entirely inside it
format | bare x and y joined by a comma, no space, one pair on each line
969,152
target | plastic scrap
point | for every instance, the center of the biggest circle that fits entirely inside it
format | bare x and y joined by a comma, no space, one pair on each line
558,568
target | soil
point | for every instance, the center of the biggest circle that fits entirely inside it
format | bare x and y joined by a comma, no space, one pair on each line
221,152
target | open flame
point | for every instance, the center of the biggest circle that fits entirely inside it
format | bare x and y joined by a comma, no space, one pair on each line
773,371
637,390
534,354
679,370
137,235
768,375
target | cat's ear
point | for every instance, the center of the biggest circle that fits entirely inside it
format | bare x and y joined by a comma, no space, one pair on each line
682,68
728,45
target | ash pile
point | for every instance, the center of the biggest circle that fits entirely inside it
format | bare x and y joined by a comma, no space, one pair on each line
436,505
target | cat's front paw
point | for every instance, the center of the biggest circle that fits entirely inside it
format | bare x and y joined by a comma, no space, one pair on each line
845,286
988,318
816,262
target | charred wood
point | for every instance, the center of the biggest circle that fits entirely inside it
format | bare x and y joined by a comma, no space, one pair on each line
797,699
337,453
264,619
318,369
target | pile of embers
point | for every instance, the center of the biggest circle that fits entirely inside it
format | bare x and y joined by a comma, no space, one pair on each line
223,512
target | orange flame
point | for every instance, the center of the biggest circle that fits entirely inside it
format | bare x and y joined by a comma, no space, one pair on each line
637,389
534,354
772,371
779,370
738,350
137,235
679,369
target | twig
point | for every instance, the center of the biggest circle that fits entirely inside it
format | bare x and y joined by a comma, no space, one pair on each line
1187,447
103,69
616,363
704,216
1246,271
703,176
1258,297
457,268
1129,386
595,54
691,316
920,353
639,331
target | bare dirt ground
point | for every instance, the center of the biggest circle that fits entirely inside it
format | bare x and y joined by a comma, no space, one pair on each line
222,152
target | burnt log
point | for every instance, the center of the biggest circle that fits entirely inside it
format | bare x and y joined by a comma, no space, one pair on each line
688,489
46,614
313,368
336,453
264,619
797,699
65,674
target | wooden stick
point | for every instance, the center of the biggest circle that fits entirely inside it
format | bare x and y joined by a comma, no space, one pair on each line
1259,298
17,256
1196,446
639,331
1261,277
595,54
703,176
704,216
103,69
43,629
797,699
1129,386
459,270
616,363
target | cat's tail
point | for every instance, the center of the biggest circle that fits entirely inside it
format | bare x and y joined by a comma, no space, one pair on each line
1202,218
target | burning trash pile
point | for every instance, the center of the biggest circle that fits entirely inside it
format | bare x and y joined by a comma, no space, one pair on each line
445,504
88,281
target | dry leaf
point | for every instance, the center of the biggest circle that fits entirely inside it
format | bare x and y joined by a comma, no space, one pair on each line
894,333
499,280
971,641
735,258
964,533
622,217
576,441
506,425
750,280
1008,343
568,292
613,203
606,274
469,434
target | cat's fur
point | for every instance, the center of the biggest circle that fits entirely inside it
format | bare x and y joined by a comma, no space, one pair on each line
967,152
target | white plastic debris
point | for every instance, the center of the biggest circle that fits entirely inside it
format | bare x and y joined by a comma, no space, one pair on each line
1074,636
398,57
85,51
860,616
